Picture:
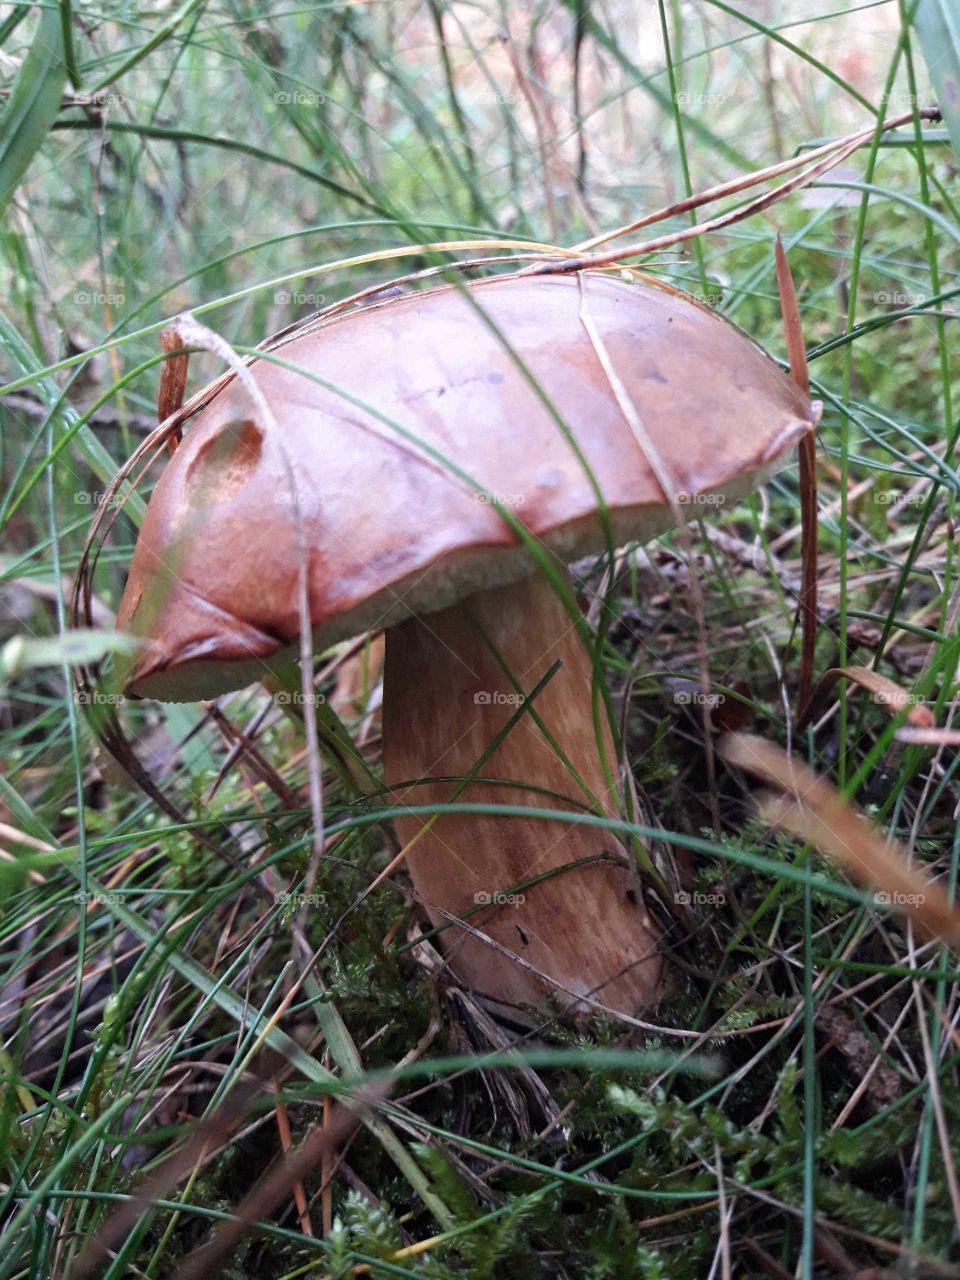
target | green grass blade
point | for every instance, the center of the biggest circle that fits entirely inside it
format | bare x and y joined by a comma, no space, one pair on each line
34,102
937,24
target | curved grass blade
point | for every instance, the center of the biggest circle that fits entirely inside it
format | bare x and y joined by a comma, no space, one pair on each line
937,24
34,102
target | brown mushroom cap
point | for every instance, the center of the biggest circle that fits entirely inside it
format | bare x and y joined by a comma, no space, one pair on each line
389,531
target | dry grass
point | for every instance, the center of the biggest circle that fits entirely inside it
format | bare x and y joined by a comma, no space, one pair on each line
167,1003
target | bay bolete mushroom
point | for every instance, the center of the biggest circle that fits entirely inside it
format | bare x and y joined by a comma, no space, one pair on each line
567,405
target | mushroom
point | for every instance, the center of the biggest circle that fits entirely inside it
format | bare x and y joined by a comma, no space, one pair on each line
446,453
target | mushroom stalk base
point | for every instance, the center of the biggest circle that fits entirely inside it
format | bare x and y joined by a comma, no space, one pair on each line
579,940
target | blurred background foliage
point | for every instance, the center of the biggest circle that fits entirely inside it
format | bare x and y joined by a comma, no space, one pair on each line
220,157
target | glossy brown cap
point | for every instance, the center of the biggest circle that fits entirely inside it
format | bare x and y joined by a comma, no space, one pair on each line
480,376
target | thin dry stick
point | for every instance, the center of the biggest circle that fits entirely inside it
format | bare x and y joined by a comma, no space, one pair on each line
800,374
249,752
506,39
745,181
936,1102
591,262
173,382
326,1163
724,1214
286,1141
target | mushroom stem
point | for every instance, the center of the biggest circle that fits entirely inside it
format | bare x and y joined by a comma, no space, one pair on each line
582,932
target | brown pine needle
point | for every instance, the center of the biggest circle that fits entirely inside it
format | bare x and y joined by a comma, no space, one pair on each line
173,382
743,182
800,374
286,1141
886,693
846,147
326,1164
